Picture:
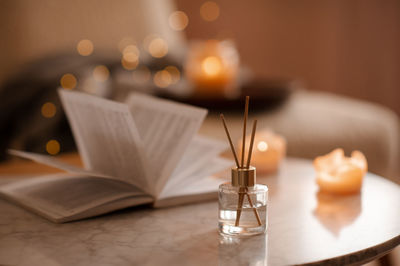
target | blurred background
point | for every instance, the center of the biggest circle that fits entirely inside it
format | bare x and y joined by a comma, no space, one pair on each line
208,53
347,47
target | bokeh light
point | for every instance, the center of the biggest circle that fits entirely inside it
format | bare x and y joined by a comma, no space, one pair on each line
48,110
158,48
68,81
131,49
262,146
174,72
162,79
209,11
178,20
53,147
85,47
101,73
211,65
130,60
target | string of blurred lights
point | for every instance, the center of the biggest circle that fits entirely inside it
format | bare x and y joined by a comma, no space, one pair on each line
155,45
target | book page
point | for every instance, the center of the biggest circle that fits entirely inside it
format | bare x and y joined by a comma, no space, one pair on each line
199,153
53,162
107,138
63,195
200,185
166,129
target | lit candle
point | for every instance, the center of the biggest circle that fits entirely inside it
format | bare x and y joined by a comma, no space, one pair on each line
269,150
339,174
212,67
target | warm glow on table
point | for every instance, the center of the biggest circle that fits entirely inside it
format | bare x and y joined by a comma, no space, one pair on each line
339,174
346,230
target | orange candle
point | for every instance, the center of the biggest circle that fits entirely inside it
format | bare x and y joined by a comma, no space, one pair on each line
269,150
339,174
212,66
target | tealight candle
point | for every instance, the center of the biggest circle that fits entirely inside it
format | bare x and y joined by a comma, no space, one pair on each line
212,66
269,150
339,174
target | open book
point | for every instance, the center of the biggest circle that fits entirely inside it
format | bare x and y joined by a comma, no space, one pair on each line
139,152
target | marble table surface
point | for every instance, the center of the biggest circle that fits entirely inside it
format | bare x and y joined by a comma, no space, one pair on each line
305,227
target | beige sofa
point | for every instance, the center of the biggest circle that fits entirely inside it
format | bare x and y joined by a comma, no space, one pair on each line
315,123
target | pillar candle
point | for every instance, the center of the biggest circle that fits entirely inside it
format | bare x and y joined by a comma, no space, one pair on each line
212,66
268,151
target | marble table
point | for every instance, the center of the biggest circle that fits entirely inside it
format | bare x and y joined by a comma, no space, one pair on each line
305,228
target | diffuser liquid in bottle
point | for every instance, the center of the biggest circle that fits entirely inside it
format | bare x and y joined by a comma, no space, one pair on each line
229,209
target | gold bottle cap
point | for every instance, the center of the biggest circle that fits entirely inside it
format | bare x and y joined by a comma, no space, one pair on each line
243,177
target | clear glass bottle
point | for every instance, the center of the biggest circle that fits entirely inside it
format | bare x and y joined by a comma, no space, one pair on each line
243,204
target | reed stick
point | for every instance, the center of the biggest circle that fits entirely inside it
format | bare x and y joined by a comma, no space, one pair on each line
246,112
253,133
230,140
254,209
242,191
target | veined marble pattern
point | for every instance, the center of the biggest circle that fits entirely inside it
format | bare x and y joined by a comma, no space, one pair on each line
304,228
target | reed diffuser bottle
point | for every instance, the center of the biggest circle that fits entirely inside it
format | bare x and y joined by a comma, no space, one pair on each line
242,202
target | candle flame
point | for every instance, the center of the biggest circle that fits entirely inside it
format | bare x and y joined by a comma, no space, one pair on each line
211,65
262,146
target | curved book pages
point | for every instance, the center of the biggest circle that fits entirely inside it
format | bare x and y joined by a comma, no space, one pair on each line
144,151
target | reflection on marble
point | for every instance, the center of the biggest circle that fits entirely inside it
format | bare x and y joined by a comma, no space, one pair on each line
188,235
337,211
252,251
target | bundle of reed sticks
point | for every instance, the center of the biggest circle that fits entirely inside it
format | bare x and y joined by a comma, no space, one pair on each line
243,189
